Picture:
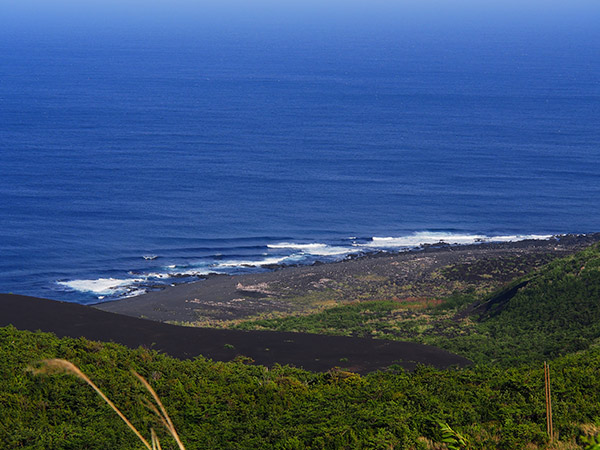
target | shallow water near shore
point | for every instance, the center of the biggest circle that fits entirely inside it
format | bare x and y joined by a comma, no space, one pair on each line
127,163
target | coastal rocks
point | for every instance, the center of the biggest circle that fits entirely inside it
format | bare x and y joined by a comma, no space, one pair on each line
262,289
432,274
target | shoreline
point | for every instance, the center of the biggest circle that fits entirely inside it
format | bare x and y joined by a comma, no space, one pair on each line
258,255
283,291
243,296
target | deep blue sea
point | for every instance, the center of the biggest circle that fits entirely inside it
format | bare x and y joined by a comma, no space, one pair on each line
127,162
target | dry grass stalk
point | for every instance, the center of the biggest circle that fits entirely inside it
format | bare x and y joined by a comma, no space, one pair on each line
164,417
155,442
61,365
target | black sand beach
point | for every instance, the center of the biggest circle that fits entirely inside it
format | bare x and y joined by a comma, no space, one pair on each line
238,297
407,274
308,351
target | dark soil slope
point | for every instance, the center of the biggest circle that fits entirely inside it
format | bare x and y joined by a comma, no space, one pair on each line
312,352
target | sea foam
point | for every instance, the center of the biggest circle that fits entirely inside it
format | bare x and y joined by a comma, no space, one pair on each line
278,254
101,286
254,263
424,238
316,249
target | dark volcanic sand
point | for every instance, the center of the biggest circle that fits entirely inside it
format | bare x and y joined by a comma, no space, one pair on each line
246,295
225,297
308,351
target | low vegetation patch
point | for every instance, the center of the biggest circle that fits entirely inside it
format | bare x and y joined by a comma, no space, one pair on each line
235,405
550,312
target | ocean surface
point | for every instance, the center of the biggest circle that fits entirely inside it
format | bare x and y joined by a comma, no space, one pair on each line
128,162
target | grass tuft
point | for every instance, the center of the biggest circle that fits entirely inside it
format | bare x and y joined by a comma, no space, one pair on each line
51,366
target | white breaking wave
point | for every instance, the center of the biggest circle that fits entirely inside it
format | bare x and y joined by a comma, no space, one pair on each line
159,275
101,286
134,293
296,253
186,273
312,249
126,287
423,238
517,237
252,263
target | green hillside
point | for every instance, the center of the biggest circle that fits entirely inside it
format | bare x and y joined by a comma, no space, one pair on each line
236,406
551,312
555,312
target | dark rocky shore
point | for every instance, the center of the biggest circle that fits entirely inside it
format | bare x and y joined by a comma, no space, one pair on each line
294,290
431,272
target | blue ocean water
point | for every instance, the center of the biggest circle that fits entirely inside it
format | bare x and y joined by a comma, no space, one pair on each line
126,163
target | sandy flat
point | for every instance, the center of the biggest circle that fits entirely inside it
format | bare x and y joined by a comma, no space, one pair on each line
308,351
224,297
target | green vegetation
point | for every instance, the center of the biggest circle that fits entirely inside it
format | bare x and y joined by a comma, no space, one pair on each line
555,313
416,281
233,405
550,312
452,439
49,366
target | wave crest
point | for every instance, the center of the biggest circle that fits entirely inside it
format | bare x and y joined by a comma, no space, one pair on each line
280,253
427,238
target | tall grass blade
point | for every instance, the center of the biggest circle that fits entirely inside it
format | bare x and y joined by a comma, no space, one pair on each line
163,415
64,366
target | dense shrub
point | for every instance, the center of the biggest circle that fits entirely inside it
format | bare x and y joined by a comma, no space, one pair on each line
232,405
